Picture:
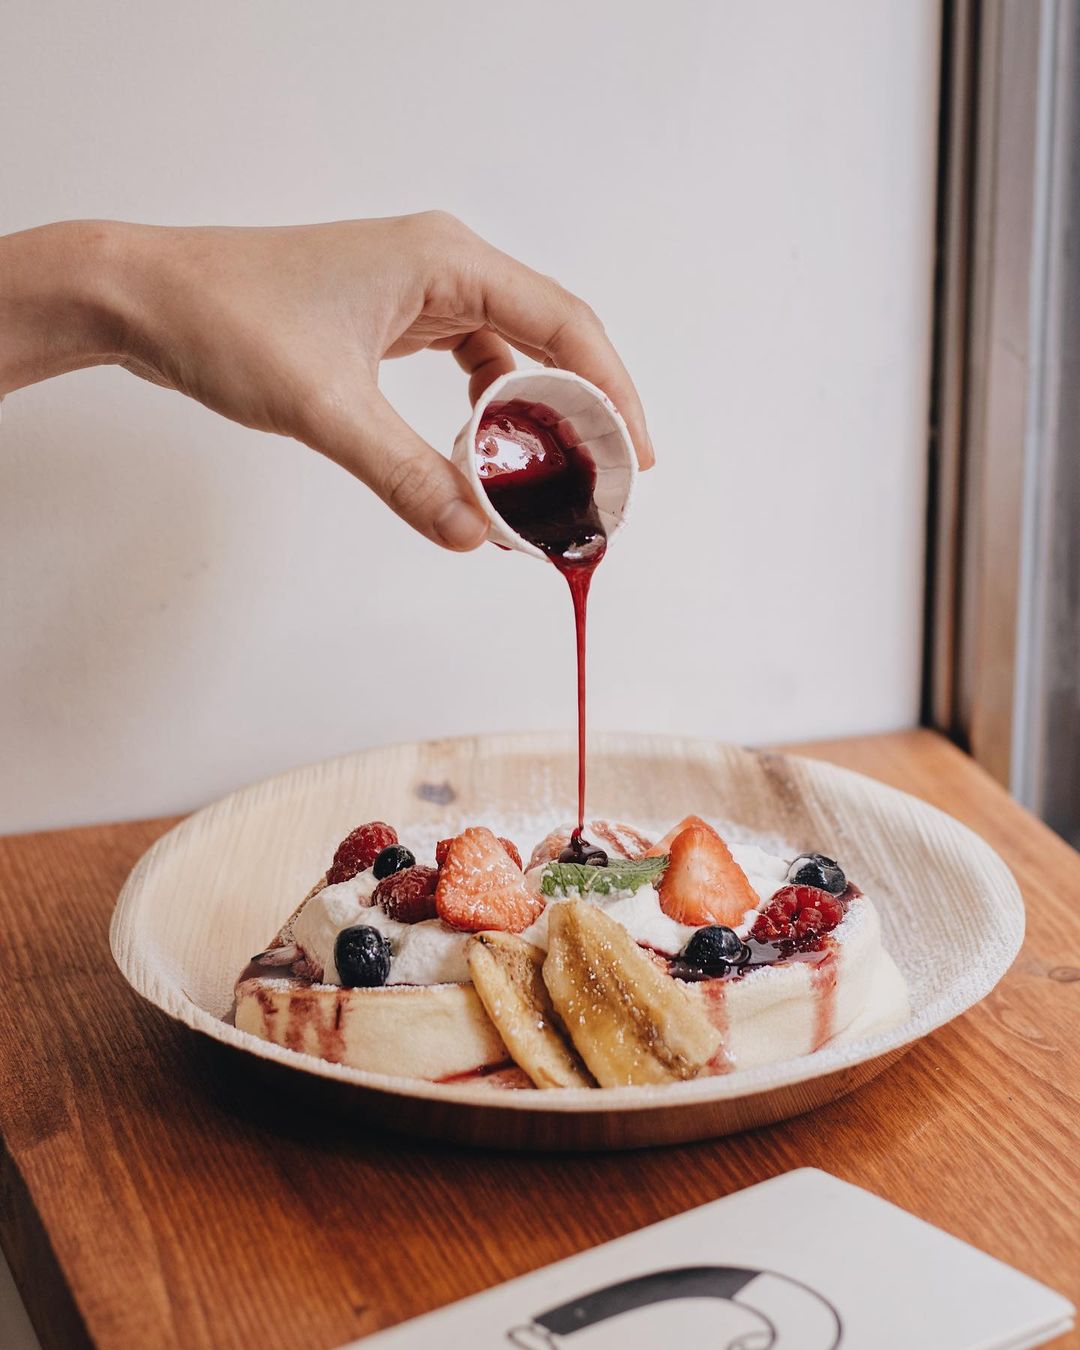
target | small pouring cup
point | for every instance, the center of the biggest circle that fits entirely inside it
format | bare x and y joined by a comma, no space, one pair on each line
596,425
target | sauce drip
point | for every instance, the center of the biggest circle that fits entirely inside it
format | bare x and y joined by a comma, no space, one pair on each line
542,482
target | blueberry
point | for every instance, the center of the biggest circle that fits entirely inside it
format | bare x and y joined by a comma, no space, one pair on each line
814,869
393,858
362,956
715,950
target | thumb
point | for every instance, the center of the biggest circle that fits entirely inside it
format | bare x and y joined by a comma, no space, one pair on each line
380,448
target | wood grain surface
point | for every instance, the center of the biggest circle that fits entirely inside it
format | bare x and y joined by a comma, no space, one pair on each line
149,1197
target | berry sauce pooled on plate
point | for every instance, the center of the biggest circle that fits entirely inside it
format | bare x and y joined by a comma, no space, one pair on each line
542,482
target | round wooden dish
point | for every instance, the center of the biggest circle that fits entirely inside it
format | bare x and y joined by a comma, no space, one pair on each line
217,887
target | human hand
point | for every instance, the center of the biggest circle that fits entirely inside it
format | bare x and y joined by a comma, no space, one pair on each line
283,330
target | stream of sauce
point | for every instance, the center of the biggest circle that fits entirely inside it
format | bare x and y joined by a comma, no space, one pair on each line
542,482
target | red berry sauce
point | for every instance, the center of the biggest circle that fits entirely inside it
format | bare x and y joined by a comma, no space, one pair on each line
542,482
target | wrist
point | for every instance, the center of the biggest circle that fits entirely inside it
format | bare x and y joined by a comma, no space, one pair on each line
62,304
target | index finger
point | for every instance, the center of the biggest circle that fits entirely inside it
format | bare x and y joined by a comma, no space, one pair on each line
542,319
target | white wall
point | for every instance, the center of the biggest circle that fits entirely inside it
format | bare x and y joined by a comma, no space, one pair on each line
744,193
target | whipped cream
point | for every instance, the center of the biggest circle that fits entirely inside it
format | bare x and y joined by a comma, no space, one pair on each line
431,952
638,911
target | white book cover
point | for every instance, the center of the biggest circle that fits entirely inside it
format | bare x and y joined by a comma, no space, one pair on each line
801,1262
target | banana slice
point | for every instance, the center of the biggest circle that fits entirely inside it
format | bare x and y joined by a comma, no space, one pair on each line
506,974
630,1021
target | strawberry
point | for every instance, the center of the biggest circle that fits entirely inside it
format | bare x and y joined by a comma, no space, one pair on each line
358,850
480,887
408,895
512,849
442,848
703,883
663,846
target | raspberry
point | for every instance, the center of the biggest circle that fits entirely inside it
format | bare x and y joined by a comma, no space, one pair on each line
408,896
442,848
808,921
771,926
785,902
797,916
832,910
358,850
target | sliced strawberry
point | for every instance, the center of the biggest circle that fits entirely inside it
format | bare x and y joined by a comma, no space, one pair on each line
442,848
480,887
512,849
703,882
663,846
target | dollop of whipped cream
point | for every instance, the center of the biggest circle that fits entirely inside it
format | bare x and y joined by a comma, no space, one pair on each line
431,952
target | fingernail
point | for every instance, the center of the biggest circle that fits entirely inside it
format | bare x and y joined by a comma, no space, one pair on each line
461,525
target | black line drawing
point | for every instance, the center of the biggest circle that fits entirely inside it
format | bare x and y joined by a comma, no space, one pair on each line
789,1315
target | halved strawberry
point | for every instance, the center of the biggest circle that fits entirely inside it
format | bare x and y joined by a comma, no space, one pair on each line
480,887
703,882
442,848
511,848
663,846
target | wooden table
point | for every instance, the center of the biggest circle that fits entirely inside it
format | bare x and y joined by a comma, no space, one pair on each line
145,1200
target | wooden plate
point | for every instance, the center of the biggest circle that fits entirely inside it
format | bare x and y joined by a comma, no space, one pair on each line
216,888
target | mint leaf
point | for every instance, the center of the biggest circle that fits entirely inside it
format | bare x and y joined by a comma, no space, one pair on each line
562,878
621,874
